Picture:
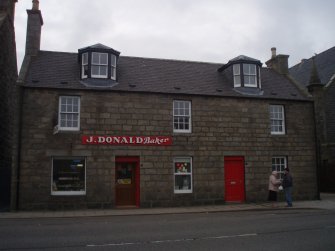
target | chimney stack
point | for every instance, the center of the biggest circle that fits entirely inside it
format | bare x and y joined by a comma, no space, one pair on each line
278,62
273,52
34,27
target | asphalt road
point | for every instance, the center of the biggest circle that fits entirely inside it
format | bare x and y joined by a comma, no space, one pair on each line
257,230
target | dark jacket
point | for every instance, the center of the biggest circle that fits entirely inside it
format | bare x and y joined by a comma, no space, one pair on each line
287,180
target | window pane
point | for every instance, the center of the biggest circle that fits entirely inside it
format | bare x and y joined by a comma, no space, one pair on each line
113,70
103,58
236,69
95,58
95,70
68,175
113,60
84,58
103,70
183,182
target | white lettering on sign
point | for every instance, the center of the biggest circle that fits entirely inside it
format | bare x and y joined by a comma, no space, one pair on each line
127,140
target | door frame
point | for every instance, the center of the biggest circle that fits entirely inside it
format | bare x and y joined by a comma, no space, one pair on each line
236,158
136,160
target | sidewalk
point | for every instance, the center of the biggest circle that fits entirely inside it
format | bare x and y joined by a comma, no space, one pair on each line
327,202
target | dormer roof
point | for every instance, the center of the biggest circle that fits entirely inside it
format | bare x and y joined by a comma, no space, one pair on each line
240,59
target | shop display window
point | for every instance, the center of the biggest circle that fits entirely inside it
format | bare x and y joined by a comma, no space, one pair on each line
68,176
183,175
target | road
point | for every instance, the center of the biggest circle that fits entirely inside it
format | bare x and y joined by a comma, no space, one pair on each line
254,230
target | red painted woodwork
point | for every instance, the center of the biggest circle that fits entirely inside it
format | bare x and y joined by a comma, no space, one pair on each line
234,179
127,181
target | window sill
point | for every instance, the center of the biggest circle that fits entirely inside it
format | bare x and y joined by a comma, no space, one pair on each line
73,193
62,131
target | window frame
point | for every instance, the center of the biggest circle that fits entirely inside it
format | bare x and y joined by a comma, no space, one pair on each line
183,117
71,192
113,66
274,119
99,65
60,112
237,75
279,163
248,75
84,65
176,174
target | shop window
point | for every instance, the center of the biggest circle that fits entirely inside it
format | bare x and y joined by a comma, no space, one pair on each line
181,116
277,117
279,164
68,176
69,113
183,175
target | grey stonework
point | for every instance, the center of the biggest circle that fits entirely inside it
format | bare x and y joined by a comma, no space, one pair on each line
220,127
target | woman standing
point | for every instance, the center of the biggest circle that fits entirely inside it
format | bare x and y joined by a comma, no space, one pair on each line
274,183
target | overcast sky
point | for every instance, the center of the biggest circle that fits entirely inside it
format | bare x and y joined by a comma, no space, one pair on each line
196,30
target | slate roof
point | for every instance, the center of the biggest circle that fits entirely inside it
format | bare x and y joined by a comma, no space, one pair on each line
325,64
134,74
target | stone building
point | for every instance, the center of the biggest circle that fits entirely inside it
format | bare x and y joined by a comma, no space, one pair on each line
317,74
101,130
8,76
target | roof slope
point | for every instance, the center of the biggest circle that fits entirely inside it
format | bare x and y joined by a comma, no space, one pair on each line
325,64
61,70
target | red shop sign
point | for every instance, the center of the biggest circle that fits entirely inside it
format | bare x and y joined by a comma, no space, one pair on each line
127,140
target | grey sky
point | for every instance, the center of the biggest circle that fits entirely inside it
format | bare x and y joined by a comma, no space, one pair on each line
196,30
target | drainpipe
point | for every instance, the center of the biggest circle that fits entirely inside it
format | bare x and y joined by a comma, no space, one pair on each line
16,161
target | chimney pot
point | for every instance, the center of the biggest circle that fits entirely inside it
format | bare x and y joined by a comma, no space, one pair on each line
273,52
36,4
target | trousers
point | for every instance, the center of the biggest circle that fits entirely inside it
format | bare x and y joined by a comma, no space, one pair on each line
288,196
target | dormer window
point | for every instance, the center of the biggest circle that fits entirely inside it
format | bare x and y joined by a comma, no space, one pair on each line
250,76
98,61
245,71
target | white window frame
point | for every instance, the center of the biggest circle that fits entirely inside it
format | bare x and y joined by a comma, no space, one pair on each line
84,65
188,187
250,72
99,65
113,67
67,110
66,193
277,119
183,116
279,163
237,75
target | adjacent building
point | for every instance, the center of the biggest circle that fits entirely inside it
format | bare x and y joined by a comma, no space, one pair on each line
317,74
8,77
102,130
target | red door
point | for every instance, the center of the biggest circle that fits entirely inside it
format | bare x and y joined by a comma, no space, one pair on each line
127,181
234,179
